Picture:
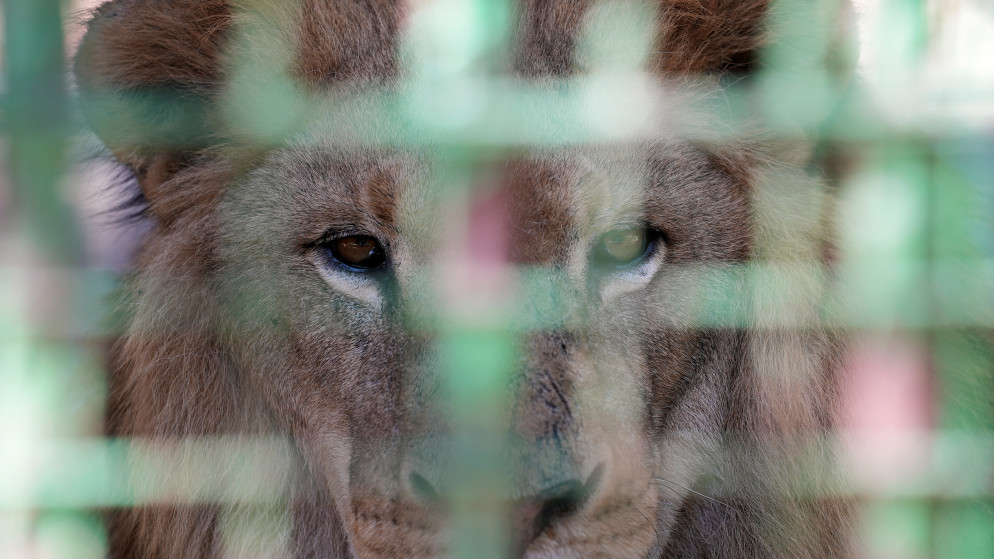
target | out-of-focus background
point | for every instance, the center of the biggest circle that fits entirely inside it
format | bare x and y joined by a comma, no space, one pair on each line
916,261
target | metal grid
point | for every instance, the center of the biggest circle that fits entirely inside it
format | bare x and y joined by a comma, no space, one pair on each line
915,266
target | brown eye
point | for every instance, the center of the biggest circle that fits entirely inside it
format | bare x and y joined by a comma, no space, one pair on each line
622,247
361,252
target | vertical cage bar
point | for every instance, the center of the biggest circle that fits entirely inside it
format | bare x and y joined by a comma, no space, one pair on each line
41,363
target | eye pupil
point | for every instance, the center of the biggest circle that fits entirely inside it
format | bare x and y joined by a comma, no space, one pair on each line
622,247
358,251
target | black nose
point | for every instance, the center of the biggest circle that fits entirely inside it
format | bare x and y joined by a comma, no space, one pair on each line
532,515
529,516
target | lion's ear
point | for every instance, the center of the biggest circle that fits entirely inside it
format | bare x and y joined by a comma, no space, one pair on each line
709,36
730,36
148,72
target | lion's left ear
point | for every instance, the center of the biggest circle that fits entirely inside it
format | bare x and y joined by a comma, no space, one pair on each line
731,36
709,36
795,59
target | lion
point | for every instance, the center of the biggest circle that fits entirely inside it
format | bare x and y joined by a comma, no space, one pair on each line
660,404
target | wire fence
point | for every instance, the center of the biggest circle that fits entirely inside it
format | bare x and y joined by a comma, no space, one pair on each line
912,281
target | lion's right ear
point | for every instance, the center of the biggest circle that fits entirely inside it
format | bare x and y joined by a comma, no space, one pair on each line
148,73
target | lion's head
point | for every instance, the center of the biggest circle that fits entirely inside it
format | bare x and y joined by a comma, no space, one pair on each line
656,402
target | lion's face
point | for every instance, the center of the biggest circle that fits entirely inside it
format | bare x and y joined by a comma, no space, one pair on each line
341,256
645,311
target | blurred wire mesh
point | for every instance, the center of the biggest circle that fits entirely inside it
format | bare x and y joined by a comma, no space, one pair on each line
916,261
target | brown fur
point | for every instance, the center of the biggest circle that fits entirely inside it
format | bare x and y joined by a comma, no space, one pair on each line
239,325
698,36
344,41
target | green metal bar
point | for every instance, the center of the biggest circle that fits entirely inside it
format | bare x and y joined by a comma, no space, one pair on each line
36,108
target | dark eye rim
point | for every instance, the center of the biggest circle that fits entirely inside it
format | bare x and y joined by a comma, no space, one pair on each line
328,246
653,239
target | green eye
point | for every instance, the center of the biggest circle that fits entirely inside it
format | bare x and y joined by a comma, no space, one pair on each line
622,247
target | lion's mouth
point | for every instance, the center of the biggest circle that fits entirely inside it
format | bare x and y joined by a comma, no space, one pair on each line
531,517
573,517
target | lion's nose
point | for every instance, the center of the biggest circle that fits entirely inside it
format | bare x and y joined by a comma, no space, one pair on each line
531,515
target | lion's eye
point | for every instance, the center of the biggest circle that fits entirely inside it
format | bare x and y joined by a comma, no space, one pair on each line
622,247
360,252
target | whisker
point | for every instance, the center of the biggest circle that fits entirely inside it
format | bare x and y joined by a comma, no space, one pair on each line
644,515
698,493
